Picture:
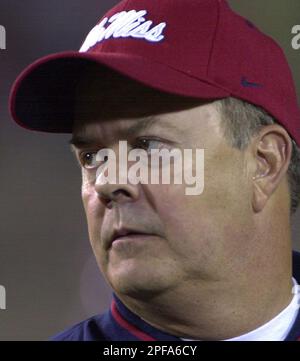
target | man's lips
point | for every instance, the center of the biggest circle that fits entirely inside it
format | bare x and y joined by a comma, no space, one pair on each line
126,233
131,237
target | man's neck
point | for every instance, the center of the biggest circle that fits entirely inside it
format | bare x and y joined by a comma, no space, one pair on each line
214,311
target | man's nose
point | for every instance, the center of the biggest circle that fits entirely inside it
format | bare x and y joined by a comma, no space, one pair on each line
116,192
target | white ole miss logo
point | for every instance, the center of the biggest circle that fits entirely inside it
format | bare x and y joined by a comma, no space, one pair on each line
124,25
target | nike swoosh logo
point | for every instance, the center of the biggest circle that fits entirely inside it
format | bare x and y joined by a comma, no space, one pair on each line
247,84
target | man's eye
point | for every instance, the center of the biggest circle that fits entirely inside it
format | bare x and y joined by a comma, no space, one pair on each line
88,160
148,144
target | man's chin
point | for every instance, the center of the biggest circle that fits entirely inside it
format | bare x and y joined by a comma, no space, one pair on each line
139,285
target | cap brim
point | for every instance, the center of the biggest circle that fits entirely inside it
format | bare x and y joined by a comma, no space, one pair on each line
42,97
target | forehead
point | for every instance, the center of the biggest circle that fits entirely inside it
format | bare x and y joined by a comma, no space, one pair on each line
124,128
186,128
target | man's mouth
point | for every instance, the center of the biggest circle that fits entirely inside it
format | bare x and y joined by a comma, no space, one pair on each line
127,233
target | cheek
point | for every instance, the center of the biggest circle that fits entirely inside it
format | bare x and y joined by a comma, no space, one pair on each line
203,222
94,215
180,215
189,233
93,210
227,190
89,195
87,198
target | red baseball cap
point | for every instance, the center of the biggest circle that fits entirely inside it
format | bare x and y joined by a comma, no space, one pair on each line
198,48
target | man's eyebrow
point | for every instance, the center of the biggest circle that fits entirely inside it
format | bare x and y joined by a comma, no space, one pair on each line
147,123
140,125
80,141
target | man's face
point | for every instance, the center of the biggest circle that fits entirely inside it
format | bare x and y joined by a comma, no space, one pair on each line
180,238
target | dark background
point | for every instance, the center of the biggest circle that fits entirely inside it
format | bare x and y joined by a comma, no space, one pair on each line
46,263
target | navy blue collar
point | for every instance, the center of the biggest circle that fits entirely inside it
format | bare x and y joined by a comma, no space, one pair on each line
134,325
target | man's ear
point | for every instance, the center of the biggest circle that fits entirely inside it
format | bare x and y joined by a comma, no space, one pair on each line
272,150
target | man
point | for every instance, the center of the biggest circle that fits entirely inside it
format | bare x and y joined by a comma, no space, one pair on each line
181,75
